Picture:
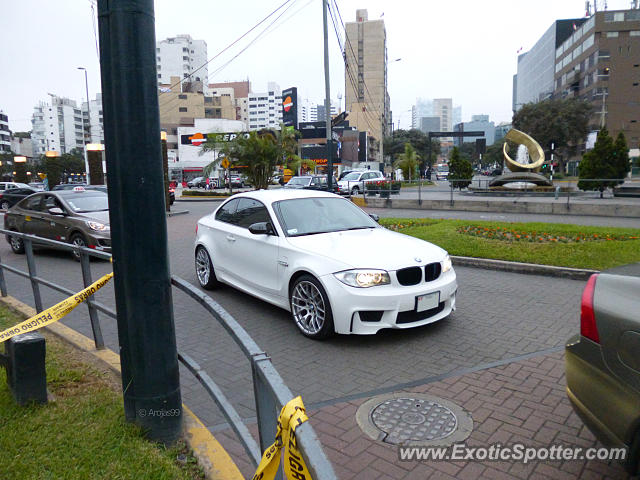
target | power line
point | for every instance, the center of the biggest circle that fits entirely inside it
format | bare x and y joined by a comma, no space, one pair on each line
231,44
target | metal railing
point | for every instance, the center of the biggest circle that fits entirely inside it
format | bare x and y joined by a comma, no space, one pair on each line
270,391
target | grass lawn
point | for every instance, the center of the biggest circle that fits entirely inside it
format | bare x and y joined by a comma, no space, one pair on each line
82,434
574,245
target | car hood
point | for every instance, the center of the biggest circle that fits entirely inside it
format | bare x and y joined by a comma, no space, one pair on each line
370,248
102,217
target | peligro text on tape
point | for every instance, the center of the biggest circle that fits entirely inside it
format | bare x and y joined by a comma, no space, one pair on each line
55,313
291,415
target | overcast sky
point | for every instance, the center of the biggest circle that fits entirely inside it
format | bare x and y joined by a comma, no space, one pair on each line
464,49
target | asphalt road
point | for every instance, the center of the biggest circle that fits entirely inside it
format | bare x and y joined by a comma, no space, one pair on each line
500,316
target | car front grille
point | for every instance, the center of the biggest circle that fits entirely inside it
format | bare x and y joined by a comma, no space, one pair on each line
409,276
413,316
432,271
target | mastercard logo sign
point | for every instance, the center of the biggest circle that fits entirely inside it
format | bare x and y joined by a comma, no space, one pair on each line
287,104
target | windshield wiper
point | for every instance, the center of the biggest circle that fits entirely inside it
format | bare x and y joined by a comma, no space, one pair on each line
359,228
312,233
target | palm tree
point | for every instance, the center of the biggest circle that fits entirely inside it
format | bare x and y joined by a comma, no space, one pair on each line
260,152
408,161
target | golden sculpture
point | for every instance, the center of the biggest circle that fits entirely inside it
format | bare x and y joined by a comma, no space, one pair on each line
536,154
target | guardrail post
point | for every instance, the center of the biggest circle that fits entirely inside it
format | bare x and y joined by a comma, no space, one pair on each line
451,198
266,407
419,192
3,283
93,312
28,249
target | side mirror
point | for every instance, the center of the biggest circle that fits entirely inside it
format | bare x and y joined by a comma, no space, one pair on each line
375,217
261,228
56,211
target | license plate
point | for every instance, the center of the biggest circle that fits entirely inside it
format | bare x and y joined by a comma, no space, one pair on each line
427,301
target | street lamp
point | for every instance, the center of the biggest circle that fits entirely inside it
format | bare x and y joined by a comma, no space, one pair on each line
86,84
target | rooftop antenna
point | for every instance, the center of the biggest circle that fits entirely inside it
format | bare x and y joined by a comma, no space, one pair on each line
587,7
634,4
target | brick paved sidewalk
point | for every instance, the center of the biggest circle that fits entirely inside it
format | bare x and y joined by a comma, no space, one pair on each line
521,402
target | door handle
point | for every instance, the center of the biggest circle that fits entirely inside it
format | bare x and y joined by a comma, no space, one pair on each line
231,238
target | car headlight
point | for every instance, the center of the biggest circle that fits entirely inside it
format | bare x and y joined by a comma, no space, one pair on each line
98,227
363,278
446,264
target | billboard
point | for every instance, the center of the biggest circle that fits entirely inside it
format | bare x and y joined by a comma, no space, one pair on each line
290,107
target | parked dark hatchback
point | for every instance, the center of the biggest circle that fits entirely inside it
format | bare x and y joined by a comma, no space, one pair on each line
76,216
8,198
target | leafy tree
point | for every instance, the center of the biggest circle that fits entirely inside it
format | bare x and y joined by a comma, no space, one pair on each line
260,151
460,170
598,165
621,157
493,155
394,146
408,162
565,122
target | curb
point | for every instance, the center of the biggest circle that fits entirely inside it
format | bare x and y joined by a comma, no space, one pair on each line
526,268
179,212
212,457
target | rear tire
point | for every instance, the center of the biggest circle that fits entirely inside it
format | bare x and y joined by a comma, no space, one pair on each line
17,245
355,191
204,270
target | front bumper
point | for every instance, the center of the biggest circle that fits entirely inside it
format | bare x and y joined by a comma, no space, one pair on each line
365,311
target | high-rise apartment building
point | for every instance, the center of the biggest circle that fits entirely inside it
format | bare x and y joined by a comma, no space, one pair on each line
92,120
182,57
57,126
478,123
265,109
5,134
309,111
366,95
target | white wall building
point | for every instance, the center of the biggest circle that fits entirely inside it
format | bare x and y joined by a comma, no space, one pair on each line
5,135
56,126
181,56
96,122
189,163
265,109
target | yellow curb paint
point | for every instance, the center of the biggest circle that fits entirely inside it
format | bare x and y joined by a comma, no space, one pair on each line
361,202
212,457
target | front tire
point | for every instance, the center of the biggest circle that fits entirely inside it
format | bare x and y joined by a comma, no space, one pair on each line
355,191
310,308
78,240
5,205
204,270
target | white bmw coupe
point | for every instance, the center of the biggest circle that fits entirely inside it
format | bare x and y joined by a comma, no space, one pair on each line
325,260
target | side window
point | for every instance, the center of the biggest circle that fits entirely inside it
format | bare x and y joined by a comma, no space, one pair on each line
225,213
3,186
32,203
250,211
50,202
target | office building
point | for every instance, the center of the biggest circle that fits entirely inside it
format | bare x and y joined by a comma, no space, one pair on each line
478,123
92,120
600,63
534,81
239,91
182,57
366,95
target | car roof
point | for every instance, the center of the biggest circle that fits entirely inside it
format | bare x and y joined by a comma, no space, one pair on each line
73,193
273,195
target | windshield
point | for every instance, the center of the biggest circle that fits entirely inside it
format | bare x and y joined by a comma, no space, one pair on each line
309,216
443,168
352,176
88,203
304,181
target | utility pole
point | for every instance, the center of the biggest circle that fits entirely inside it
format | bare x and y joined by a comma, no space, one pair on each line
146,332
327,100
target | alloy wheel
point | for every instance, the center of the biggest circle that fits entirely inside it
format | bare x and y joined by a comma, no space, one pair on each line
203,266
308,307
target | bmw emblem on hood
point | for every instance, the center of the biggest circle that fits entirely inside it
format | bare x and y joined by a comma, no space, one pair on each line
418,259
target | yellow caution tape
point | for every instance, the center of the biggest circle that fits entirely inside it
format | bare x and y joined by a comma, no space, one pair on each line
291,415
55,313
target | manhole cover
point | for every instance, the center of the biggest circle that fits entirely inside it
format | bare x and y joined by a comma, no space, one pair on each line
414,419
